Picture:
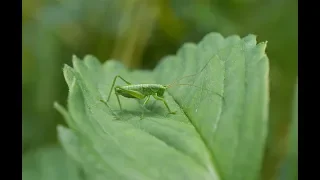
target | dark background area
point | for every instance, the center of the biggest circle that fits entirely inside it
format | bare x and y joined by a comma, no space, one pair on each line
139,33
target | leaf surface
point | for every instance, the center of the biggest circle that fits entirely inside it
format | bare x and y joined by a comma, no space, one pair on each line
218,132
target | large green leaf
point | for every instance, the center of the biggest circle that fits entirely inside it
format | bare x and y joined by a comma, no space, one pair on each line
209,138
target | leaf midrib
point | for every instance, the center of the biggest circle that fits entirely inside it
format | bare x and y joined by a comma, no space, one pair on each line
206,144
207,147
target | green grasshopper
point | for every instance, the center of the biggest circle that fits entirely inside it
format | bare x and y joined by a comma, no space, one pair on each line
142,91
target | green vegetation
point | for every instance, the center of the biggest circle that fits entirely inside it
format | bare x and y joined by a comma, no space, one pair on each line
207,139
251,133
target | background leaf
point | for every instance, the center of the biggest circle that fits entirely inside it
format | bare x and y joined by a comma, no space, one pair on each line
289,169
49,163
207,139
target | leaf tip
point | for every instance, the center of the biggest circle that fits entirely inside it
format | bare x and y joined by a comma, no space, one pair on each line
114,64
253,36
68,74
262,46
213,35
55,104
89,56
75,60
58,107
66,68
74,57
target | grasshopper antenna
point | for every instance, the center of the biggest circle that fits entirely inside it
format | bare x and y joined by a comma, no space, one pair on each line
196,87
177,80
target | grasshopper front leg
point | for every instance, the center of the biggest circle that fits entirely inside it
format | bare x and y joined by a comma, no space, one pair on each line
144,103
113,83
118,100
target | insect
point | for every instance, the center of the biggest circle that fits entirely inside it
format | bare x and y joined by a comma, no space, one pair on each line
140,91
145,91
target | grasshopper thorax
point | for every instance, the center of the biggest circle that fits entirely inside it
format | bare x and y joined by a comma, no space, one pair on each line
144,89
155,89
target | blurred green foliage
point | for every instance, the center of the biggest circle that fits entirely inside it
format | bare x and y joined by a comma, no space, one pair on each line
139,33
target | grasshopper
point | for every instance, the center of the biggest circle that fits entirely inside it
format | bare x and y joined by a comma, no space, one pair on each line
142,91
